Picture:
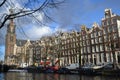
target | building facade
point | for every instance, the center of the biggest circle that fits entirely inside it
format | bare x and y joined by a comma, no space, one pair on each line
96,45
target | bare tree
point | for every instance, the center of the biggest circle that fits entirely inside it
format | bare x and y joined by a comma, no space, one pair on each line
28,8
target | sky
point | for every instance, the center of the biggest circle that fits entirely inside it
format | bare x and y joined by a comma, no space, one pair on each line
66,17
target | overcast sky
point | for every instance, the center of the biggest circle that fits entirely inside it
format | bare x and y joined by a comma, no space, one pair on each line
68,16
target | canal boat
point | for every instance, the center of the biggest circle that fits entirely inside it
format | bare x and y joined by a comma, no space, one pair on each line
4,68
63,70
17,70
91,69
98,67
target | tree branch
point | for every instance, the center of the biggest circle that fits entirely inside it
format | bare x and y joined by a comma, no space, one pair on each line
3,2
23,12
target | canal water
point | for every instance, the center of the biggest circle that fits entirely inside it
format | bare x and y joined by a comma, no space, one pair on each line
41,76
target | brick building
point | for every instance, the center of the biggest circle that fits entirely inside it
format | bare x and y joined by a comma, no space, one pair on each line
98,44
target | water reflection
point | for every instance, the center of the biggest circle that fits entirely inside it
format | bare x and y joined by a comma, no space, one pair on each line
39,76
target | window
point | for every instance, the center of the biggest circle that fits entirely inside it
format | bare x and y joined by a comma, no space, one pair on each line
105,30
81,50
84,49
92,41
11,38
116,45
83,37
100,39
93,49
108,22
86,37
104,23
101,48
113,21
110,29
91,35
83,43
115,29
88,43
100,33
97,48
96,34
88,49
115,36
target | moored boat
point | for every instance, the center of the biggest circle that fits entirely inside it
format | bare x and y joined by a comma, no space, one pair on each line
17,70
